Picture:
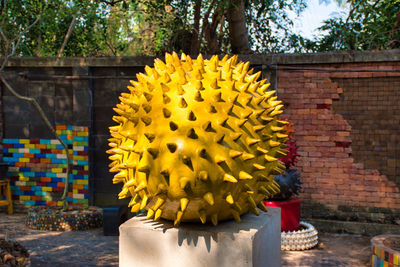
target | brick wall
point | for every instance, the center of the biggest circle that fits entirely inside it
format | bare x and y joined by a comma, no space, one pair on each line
346,121
349,160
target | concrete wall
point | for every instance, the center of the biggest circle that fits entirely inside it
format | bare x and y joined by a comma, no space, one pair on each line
350,170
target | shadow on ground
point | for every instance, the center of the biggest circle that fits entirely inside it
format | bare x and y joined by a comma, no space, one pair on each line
91,248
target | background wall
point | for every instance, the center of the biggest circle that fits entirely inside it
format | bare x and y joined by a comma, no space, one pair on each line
344,107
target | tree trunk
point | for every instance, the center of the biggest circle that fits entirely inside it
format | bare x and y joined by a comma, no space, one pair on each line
237,28
195,42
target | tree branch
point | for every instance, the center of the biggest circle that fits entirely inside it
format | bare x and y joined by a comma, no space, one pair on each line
68,35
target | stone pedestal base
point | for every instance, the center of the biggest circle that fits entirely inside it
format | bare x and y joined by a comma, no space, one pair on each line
255,241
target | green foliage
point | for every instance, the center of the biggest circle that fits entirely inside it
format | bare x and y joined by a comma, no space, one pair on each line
370,25
142,27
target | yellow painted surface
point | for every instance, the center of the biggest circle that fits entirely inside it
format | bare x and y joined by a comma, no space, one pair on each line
196,139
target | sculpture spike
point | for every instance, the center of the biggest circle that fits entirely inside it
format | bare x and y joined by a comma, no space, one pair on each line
159,202
212,109
192,134
172,147
150,137
262,207
184,203
153,152
135,208
214,84
144,202
219,159
183,103
263,191
252,141
178,218
146,120
209,198
270,158
157,214
198,97
207,126
245,176
258,167
214,219
173,126
166,113
140,187
191,116
235,215
150,214
202,216
236,136
247,156
234,154
230,178
229,199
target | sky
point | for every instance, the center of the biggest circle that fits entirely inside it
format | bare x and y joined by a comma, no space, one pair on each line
311,18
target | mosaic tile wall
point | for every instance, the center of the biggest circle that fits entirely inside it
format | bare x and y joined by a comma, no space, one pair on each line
37,168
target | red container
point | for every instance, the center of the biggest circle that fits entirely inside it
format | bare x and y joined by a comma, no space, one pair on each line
290,213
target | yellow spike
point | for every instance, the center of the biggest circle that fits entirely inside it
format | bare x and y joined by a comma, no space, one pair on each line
273,143
268,94
183,103
230,178
247,156
262,207
258,167
262,150
140,187
133,201
273,189
184,203
202,216
241,122
276,128
124,193
235,215
178,218
150,214
234,154
252,141
144,202
263,191
135,208
158,204
244,176
209,198
115,157
281,135
219,159
198,97
229,199
214,219
235,136
270,158
130,183
157,214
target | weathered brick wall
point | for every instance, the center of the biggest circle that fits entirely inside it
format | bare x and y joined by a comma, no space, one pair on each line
336,106
324,94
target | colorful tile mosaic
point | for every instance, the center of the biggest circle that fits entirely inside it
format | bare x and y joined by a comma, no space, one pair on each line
380,257
37,167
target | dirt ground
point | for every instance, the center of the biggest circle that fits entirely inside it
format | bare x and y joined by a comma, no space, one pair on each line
92,248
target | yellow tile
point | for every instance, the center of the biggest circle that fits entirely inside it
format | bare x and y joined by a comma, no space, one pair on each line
82,181
24,141
23,160
25,197
47,188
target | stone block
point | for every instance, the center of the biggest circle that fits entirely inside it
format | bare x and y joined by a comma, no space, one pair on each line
255,241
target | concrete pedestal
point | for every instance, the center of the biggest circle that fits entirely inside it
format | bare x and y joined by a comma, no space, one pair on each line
255,241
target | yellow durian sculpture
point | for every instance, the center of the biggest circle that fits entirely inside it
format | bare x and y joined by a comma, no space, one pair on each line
197,140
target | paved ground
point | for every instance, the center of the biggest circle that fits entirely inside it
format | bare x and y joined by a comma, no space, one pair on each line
91,248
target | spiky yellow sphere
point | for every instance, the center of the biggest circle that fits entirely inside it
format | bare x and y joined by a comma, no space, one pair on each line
197,140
